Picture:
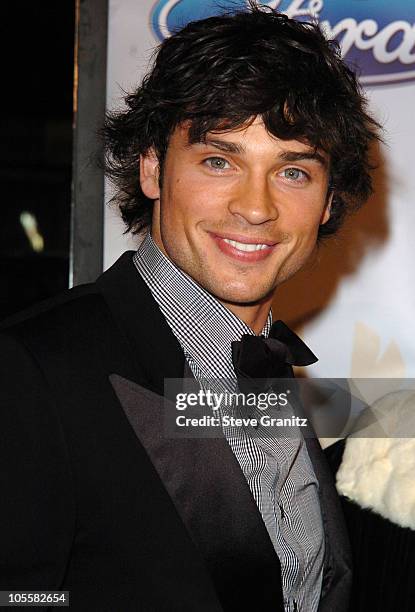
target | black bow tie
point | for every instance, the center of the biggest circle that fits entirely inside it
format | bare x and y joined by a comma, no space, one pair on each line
256,357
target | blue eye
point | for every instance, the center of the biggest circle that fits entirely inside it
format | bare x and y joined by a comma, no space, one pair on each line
217,163
294,174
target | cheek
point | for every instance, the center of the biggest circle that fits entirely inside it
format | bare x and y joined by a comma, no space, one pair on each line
308,237
187,203
303,228
307,215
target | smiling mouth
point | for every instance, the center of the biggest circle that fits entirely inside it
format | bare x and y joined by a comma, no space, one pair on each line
246,247
244,250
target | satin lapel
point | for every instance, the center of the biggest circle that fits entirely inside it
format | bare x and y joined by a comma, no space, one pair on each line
155,351
213,499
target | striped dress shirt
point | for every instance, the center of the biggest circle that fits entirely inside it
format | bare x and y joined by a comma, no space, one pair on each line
278,470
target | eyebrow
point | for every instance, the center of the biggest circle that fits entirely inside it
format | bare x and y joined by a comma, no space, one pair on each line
293,156
289,156
223,145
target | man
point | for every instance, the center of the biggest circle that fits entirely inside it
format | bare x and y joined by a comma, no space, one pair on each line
246,143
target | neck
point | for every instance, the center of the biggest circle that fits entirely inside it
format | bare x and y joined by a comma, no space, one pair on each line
254,315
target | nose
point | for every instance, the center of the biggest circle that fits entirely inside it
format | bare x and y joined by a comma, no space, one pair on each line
254,201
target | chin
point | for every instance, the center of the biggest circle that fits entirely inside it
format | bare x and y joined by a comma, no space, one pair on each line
239,294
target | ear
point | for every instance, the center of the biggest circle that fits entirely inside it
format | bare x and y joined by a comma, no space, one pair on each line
149,175
327,209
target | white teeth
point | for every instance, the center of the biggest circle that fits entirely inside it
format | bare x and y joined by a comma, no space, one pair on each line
242,246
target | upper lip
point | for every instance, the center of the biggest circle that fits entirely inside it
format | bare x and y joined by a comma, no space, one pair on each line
245,239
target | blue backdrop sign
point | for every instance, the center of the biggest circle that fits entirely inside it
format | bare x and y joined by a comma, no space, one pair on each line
378,36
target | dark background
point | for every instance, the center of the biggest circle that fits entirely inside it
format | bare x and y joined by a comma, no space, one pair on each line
37,42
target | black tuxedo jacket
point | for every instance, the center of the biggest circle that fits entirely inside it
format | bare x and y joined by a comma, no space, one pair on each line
95,500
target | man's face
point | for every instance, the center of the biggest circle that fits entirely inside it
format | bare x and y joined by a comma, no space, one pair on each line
240,212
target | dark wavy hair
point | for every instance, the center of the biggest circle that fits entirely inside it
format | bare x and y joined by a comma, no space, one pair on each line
221,72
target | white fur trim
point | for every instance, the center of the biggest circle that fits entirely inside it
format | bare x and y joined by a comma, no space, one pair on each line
379,472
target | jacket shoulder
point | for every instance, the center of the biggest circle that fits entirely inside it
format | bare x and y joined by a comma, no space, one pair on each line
66,316
72,309
74,296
